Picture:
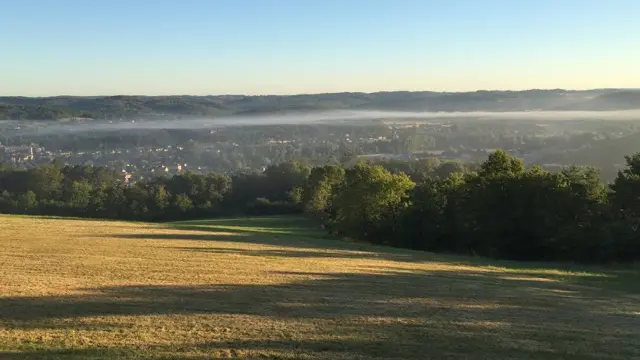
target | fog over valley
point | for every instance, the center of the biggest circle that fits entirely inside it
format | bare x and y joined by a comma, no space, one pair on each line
137,134
352,117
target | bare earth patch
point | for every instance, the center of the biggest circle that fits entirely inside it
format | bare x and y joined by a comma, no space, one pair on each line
273,288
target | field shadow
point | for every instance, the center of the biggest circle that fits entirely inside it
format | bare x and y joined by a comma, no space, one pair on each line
79,354
431,348
287,246
617,278
392,314
268,225
300,240
308,252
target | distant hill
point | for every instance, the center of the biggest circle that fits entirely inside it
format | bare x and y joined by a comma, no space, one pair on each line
618,100
117,107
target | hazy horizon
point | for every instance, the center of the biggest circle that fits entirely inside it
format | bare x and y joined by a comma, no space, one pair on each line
324,93
324,117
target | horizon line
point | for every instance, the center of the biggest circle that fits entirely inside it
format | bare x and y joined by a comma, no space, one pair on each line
323,93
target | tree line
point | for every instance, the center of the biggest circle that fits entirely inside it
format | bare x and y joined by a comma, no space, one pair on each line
115,107
92,191
499,209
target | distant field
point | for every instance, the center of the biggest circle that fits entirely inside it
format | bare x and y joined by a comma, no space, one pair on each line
273,288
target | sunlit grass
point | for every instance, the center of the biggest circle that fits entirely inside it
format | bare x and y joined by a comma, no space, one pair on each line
556,273
276,288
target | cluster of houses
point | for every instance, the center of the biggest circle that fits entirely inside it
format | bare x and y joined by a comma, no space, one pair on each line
19,154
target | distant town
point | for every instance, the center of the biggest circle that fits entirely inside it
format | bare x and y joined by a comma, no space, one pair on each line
142,149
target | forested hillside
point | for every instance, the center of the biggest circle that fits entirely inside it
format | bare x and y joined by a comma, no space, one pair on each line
125,107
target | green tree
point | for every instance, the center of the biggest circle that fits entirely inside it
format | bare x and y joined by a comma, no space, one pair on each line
425,168
626,188
282,178
501,163
45,181
27,201
319,188
183,203
81,192
625,225
161,198
447,168
425,222
369,198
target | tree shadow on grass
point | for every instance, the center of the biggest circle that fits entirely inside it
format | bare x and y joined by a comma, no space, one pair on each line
617,278
283,246
222,234
608,279
290,221
79,354
392,314
308,252
268,225
432,347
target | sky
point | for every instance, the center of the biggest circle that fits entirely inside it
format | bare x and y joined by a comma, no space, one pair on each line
210,47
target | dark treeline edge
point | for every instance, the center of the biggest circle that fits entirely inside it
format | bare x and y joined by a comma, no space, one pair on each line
500,210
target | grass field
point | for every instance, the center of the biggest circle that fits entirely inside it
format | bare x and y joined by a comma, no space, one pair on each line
273,288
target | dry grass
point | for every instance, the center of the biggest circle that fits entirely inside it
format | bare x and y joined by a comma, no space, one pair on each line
272,288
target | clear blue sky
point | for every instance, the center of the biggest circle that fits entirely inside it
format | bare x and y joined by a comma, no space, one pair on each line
89,47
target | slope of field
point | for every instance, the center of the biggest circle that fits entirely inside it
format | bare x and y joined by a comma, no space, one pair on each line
273,288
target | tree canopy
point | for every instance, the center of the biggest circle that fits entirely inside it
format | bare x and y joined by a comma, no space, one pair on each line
502,210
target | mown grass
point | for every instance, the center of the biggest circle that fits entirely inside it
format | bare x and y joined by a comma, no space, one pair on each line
276,288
